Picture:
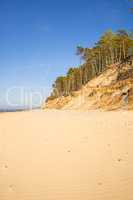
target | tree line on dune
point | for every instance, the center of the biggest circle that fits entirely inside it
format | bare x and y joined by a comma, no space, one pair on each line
110,49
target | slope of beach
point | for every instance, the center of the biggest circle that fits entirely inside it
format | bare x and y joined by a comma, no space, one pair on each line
66,155
111,90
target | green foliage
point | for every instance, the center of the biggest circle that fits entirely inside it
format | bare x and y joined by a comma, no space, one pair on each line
111,48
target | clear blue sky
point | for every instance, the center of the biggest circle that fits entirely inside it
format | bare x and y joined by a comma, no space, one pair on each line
38,38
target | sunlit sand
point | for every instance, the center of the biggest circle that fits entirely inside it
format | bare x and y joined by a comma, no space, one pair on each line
66,155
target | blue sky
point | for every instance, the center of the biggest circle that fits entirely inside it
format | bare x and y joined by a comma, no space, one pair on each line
38,38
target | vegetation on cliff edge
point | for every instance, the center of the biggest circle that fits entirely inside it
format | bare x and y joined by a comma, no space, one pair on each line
111,48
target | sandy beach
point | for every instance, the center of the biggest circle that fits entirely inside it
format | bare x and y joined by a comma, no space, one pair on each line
66,155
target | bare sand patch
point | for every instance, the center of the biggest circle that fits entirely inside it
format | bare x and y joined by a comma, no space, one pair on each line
66,155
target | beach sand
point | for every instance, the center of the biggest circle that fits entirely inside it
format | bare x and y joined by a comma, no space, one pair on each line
66,155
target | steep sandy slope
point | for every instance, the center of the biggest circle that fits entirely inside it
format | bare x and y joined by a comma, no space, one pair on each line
113,89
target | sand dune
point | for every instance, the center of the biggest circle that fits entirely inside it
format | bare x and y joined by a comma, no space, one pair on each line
66,155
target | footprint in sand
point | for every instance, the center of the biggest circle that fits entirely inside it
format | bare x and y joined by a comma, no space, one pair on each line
5,166
11,187
119,159
100,183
